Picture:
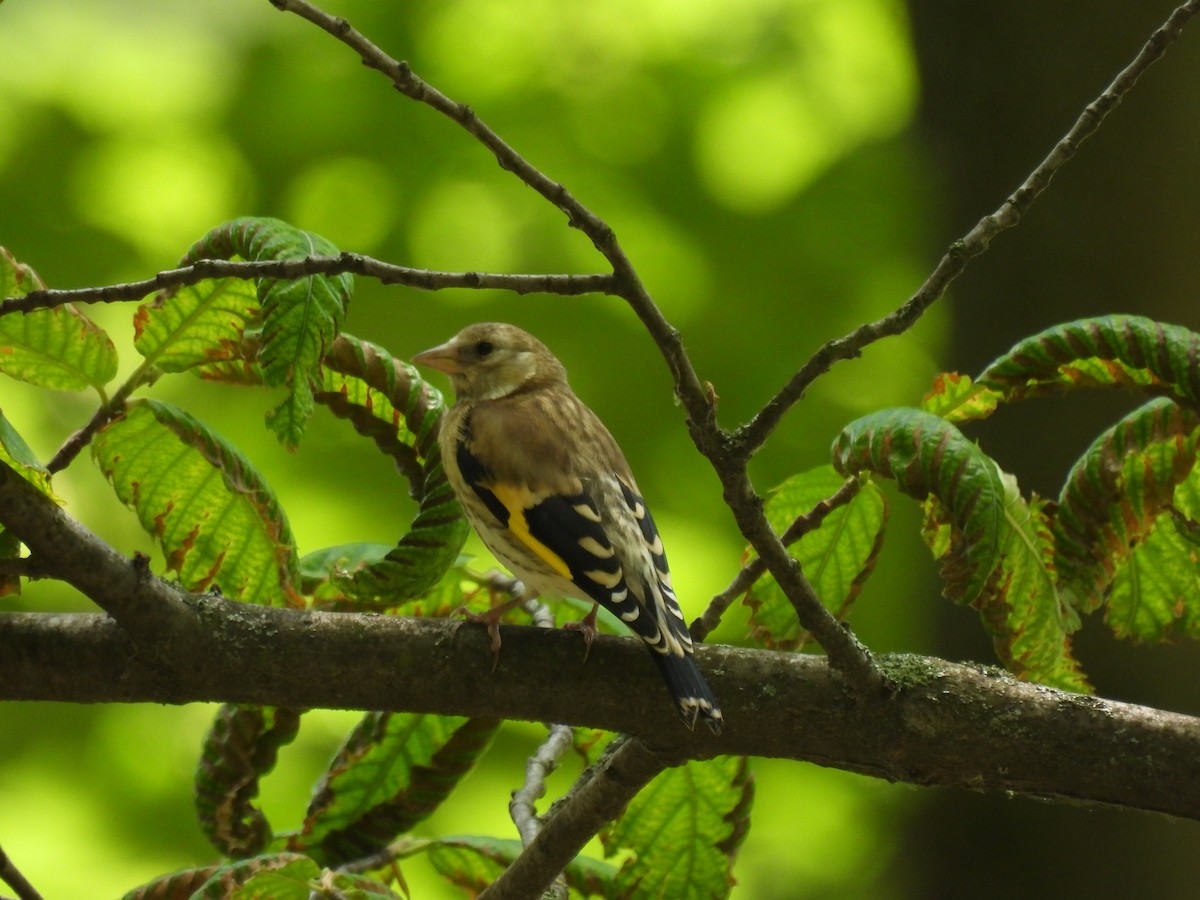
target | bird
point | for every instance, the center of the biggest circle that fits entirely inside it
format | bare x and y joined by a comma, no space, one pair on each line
549,492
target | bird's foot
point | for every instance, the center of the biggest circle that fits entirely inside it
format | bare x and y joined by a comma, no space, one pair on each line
491,619
587,627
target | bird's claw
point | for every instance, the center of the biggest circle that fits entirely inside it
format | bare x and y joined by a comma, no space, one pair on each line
491,619
587,627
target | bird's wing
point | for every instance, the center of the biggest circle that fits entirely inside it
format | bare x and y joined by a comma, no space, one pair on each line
594,532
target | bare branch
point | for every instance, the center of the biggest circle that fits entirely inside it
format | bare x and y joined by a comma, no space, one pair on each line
597,800
755,433
947,724
126,589
538,768
12,876
283,269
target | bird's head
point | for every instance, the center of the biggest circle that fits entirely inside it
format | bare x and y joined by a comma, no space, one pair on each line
492,360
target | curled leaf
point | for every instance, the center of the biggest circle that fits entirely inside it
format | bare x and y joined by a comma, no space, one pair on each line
1130,351
927,455
1116,492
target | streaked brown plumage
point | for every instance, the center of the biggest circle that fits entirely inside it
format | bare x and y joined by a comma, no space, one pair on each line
550,493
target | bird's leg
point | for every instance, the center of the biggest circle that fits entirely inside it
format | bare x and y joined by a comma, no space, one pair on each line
587,627
492,617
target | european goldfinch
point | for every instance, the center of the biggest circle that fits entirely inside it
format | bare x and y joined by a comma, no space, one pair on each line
550,493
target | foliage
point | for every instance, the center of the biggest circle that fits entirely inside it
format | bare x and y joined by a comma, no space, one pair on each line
1119,539
1030,567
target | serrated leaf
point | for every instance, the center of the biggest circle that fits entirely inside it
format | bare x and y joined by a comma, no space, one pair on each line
300,318
241,746
1029,620
58,348
392,772
685,828
1130,351
837,558
1155,595
198,325
1114,493
956,398
927,455
293,881
226,879
217,520
474,863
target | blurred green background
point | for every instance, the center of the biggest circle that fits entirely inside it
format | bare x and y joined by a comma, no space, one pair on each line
778,170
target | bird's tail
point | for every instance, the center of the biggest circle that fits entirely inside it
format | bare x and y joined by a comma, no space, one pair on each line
691,693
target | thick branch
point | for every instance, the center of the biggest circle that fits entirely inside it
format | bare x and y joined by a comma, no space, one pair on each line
126,589
946,724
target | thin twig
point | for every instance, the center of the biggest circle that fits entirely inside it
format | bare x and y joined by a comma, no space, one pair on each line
283,269
751,436
595,801
538,767
756,567
12,876
111,409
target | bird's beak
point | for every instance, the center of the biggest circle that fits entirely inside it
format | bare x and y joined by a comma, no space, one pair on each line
443,357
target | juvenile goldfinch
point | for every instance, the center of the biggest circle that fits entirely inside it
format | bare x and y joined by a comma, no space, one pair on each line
551,495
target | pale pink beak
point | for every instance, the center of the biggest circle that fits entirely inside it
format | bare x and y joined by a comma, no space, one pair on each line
443,357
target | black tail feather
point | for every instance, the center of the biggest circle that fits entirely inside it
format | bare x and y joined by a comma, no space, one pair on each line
691,693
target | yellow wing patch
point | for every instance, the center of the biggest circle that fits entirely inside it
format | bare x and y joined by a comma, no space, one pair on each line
515,500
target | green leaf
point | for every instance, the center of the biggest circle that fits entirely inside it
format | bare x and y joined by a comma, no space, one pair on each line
956,398
392,772
226,879
474,863
1022,606
685,828
58,348
837,557
995,549
1156,594
300,318
292,881
16,455
328,563
1116,491
1110,350
927,455
198,325
240,747
377,393
217,520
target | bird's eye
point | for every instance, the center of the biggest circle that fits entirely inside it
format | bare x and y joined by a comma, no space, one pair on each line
484,348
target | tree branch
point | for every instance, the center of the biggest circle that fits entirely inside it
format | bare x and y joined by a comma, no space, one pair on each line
598,799
152,610
946,724
754,433
283,269
12,876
